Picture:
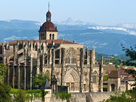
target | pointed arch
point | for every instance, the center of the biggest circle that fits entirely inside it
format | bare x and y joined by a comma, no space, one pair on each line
72,76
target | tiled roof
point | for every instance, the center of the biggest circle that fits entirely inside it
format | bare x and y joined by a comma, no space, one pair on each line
114,74
122,72
128,79
43,41
48,26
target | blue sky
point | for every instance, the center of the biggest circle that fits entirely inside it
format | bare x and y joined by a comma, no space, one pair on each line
104,12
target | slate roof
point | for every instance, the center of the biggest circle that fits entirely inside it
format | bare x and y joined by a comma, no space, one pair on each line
46,85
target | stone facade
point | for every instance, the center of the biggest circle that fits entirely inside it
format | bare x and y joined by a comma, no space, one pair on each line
68,61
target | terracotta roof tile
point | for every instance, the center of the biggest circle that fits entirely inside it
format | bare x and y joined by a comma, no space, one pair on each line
43,41
114,74
122,72
128,79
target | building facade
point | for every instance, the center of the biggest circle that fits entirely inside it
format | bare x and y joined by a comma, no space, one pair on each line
68,61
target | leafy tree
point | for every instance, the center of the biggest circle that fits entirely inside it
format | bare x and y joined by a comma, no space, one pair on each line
131,52
63,96
119,98
40,79
20,97
105,77
3,69
4,93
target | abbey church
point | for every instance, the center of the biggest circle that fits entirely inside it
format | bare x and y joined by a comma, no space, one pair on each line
72,64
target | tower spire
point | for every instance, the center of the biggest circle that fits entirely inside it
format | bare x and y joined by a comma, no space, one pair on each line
48,6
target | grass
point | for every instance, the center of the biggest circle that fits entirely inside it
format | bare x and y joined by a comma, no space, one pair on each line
15,91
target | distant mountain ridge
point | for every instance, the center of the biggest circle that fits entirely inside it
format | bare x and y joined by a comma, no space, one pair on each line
106,39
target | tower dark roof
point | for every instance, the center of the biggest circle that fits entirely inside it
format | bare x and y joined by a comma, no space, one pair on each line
48,26
48,14
46,85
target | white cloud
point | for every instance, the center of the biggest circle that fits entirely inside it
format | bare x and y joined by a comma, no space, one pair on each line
12,38
113,28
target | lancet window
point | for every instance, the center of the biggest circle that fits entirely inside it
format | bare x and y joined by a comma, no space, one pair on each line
70,56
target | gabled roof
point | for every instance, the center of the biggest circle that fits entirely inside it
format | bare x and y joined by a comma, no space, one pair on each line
114,74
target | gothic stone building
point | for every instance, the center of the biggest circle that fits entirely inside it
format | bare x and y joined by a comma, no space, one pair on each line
68,61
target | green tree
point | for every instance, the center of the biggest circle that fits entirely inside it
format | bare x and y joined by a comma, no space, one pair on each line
3,69
119,98
105,77
4,93
20,97
40,79
63,96
131,52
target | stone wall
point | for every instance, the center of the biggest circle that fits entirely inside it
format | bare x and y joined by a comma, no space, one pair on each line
86,97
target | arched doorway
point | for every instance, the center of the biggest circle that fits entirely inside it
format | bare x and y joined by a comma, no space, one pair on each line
72,80
112,87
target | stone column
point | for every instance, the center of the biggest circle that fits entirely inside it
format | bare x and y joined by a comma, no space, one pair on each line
4,58
60,56
14,63
50,57
87,54
90,74
81,64
63,64
31,72
43,63
13,78
38,65
100,75
18,76
53,62
25,76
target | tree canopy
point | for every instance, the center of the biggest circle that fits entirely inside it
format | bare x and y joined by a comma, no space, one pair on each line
40,79
3,69
4,93
131,52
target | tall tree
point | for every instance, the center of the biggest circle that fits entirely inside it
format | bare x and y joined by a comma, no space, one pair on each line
40,79
4,93
3,69
131,52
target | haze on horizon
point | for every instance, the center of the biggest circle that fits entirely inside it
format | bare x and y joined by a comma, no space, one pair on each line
103,12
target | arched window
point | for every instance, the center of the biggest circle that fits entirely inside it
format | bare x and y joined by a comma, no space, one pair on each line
53,36
50,36
70,56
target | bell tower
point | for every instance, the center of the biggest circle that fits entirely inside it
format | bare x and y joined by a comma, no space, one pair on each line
48,15
48,31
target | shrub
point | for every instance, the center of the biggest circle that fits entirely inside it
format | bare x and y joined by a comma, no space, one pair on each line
63,96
